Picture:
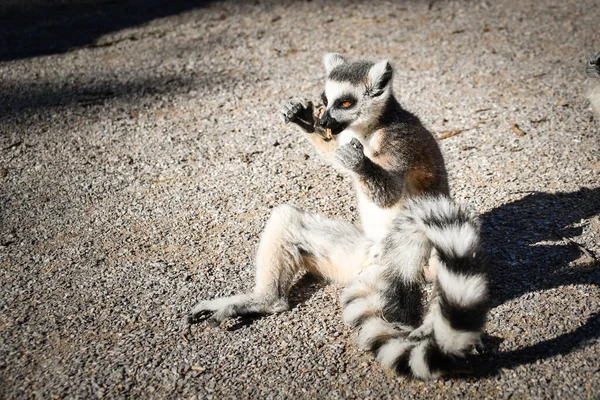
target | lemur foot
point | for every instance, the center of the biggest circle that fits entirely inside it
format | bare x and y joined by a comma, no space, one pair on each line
218,310
201,312
425,330
351,155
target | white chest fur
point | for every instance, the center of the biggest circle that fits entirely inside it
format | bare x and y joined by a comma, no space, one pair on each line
348,134
375,220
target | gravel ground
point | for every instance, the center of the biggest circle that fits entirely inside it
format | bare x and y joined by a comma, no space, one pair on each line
141,153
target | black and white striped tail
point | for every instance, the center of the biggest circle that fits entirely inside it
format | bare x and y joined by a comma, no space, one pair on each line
385,302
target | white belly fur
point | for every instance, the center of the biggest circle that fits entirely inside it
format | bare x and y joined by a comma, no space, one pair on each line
375,220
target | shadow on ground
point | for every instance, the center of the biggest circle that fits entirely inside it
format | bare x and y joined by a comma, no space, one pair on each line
31,28
521,238
515,236
19,97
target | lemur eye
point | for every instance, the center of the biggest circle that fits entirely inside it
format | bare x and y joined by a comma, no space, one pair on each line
346,104
324,101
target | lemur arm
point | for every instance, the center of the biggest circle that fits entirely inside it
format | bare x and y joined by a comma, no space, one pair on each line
382,186
325,145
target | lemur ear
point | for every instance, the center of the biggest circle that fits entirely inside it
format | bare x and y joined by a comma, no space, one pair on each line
380,77
332,60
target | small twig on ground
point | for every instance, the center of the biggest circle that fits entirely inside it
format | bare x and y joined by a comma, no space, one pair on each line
161,180
451,133
454,132
15,144
580,248
523,192
366,20
515,128
539,121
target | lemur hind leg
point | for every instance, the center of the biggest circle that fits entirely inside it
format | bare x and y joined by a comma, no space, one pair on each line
293,241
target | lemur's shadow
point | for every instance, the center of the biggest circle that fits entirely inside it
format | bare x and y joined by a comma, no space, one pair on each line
521,238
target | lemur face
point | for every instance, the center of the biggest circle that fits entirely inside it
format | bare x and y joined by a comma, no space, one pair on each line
355,92
592,68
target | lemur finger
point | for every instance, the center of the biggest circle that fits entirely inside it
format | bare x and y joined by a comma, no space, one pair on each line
286,108
214,322
356,144
290,110
296,108
593,66
222,314
354,149
283,114
195,317
287,112
212,317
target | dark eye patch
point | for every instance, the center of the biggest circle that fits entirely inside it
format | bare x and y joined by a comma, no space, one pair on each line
324,99
343,99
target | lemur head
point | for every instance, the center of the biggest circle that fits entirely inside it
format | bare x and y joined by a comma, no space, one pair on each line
592,68
355,92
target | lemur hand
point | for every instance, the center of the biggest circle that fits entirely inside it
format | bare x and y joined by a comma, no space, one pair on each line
351,155
299,113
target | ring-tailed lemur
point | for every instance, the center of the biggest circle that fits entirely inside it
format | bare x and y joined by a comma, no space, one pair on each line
592,70
385,148
407,218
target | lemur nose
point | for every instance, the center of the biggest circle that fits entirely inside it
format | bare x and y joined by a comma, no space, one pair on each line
324,120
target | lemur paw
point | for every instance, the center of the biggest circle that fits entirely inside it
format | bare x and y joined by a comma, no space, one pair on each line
593,66
296,110
201,312
218,310
351,155
425,330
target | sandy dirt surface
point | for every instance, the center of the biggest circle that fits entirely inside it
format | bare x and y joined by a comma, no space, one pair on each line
141,153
